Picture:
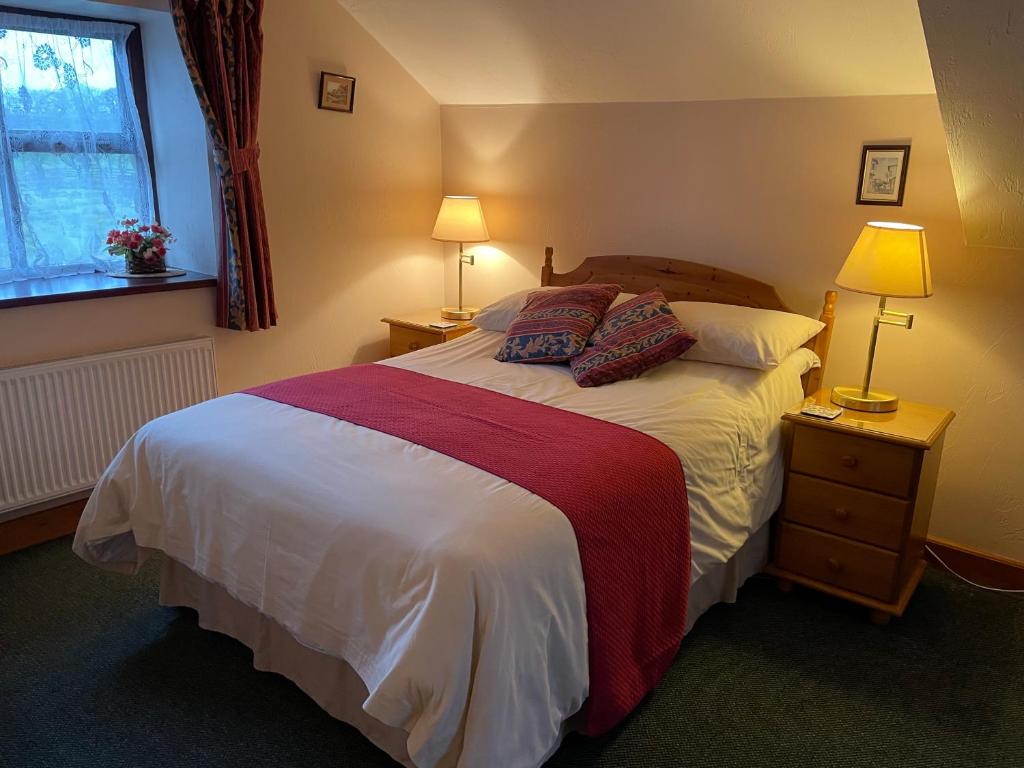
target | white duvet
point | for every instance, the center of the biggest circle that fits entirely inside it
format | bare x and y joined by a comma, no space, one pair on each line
455,595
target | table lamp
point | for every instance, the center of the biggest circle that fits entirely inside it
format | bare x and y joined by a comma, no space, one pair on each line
461,220
889,259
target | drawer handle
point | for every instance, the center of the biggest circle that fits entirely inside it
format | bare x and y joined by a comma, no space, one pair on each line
413,346
848,461
834,565
841,513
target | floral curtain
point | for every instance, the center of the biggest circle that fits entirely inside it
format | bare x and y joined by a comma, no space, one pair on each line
222,42
73,158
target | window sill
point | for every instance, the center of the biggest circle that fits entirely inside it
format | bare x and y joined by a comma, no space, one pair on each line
25,293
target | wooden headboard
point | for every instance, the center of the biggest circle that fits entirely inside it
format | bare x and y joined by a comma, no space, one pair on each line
688,281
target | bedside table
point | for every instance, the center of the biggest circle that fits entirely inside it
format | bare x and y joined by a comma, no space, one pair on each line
857,501
411,332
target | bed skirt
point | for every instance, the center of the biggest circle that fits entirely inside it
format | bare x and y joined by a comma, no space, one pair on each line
333,684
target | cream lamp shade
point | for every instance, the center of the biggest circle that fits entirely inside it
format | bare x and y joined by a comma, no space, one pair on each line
461,220
888,259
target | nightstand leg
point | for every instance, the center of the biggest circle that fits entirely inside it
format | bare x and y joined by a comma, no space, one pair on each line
784,585
880,618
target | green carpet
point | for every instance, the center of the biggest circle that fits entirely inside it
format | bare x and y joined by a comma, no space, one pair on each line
93,673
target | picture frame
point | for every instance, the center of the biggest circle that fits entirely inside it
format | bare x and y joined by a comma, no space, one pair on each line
883,174
337,92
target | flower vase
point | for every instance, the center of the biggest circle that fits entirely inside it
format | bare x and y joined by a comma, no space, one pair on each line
137,264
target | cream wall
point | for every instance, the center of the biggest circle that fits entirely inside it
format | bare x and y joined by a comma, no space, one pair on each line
763,187
350,202
766,187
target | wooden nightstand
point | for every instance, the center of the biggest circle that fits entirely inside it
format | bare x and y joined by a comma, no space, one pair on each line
857,502
411,332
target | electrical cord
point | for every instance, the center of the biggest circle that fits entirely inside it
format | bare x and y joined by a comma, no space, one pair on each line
968,581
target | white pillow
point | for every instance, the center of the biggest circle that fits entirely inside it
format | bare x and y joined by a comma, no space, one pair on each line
499,315
803,360
622,298
743,336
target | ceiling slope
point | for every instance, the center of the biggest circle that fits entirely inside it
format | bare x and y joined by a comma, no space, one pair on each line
554,51
977,53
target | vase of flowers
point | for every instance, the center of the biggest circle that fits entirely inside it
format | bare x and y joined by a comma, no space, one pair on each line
143,246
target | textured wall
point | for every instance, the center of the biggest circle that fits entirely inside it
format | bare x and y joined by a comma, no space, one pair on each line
350,205
767,188
977,55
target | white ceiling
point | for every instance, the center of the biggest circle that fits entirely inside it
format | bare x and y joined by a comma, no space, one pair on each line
551,51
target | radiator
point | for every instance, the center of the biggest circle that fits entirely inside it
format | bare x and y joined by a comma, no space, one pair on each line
62,422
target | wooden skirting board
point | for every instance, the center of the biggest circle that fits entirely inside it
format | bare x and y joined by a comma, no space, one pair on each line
38,527
980,567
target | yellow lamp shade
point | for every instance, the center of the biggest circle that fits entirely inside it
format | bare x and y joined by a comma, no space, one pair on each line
888,259
461,220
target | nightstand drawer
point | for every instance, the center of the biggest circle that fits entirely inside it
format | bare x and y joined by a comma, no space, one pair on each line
845,511
859,461
407,340
843,563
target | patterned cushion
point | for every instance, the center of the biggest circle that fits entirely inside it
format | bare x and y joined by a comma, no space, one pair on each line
634,337
553,326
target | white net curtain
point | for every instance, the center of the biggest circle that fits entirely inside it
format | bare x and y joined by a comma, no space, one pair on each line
73,157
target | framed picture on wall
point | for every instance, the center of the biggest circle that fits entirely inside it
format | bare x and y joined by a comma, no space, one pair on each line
337,92
883,174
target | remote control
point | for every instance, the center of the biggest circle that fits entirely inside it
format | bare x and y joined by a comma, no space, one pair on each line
821,411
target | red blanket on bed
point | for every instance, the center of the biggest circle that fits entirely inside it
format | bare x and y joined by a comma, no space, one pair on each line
622,491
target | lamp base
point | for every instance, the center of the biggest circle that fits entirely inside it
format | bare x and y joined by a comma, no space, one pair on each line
454,313
874,402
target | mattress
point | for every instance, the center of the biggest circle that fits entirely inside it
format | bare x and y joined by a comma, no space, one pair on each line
455,596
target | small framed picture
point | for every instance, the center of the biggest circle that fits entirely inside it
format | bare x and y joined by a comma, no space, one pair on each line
883,174
337,92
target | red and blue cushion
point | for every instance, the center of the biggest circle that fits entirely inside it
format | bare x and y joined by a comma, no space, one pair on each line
553,326
636,336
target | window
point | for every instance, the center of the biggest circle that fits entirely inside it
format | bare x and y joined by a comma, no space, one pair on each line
74,154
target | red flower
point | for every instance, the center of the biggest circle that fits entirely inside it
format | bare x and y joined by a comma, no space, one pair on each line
147,240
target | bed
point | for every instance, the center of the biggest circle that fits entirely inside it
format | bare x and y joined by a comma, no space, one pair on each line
445,618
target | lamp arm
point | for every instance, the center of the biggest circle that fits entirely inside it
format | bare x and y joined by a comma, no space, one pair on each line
464,258
889,317
882,317
866,386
